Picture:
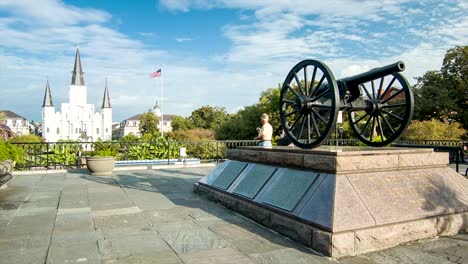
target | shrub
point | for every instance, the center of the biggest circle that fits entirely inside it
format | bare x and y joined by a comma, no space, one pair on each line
27,139
105,149
129,138
195,134
434,130
10,151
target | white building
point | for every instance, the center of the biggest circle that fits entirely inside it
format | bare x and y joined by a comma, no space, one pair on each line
17,124
131,125
77,120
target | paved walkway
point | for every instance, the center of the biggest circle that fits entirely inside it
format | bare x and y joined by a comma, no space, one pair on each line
153,216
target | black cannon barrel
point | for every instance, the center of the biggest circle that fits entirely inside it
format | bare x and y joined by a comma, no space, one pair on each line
375,73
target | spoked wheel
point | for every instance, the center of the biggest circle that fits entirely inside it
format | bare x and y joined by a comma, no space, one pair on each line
390,110
309,103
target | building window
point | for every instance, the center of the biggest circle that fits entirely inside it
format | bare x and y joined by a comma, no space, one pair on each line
58,131
76,130
47,130
107,130
97,130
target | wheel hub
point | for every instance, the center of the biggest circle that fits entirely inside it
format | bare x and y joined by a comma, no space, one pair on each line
375,107
302,104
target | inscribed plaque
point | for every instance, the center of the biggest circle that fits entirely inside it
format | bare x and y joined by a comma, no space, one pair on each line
288,190
255,179
229,174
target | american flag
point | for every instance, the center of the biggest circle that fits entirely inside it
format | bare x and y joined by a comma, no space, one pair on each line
155,74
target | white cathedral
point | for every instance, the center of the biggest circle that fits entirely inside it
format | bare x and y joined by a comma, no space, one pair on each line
78,120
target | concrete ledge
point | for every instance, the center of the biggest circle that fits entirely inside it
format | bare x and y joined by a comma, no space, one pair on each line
340,244
342,159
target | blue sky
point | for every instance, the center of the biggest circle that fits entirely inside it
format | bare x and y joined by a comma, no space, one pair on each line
213,52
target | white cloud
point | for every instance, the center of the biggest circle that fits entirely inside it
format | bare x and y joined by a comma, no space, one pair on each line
350,36
180,40
52,12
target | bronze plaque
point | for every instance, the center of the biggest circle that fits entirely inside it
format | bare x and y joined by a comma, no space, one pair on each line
288,190
255,179
229,174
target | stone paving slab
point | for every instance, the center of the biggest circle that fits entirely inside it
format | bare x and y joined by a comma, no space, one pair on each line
153,216
224,255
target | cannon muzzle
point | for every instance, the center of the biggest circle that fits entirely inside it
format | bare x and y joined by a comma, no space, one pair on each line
374,74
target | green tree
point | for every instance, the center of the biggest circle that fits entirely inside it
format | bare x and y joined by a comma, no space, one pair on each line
444,94
180,123
149,123
455,71
269,103
243,124
433,98
208,117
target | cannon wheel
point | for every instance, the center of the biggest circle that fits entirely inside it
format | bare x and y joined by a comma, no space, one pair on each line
391,103
309,103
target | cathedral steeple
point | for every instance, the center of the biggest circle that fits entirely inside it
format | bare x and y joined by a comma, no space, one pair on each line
47,96
105,101
77,74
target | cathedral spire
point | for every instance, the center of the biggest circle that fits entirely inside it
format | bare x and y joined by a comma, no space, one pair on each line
47,96
105,101
77,74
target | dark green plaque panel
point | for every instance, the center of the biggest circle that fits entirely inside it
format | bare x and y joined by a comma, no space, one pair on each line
254,180
286,192
229,174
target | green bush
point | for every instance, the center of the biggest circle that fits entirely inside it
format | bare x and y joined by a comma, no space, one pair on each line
129,138
434,130
10,151
154,149
64,154
194,134
206,150
105,149
27,139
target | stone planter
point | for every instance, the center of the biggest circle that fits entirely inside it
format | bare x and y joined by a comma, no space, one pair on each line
100,166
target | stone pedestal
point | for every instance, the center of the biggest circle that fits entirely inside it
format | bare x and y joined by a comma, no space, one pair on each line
343,201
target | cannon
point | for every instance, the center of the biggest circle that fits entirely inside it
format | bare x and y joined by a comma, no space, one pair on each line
379,104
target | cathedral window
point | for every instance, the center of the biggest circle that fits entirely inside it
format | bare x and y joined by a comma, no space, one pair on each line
76,130
58,131
97,130
47,130
107,130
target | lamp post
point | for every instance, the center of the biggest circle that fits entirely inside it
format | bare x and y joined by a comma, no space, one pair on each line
341,129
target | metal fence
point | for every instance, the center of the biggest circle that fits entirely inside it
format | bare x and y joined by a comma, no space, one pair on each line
59,155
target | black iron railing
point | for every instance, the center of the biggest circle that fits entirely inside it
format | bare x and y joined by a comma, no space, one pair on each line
59,155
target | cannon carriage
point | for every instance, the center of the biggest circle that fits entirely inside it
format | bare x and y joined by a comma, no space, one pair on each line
379,104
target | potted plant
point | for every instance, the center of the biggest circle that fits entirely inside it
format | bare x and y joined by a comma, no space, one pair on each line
102,159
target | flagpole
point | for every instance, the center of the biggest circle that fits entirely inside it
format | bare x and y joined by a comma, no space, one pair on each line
162,104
